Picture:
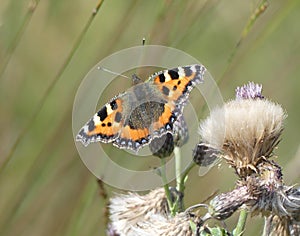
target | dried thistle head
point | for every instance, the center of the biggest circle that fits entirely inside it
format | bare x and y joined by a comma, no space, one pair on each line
165,226
128,210
134,214
225,204
284,226
263,193
246,130
270,196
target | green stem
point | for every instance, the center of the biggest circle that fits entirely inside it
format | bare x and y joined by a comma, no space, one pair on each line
178,205
166,185
178,168
239,230
180,179
184,175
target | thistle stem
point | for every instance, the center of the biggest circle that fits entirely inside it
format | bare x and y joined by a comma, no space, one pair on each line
178,168
239,230
166,185
180,179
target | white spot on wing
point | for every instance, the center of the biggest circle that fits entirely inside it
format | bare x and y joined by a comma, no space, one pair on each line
108,109
181,72
86,129
193,68
96,119
167,76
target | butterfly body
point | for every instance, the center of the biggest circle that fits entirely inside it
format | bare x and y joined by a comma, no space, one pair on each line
147,110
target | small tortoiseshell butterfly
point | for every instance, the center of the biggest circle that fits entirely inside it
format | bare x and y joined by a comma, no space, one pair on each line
145,111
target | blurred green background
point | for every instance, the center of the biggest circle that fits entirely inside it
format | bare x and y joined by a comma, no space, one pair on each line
44,187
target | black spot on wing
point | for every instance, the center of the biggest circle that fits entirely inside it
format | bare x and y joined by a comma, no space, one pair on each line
165,90
189,84
173,74
187,88
113,105
162,78
91,125
188,71
102,113
118,117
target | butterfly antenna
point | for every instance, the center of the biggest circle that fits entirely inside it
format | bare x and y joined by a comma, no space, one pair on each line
112,72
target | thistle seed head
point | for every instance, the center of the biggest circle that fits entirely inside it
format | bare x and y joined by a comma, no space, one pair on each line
129,210
165,226
245,130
